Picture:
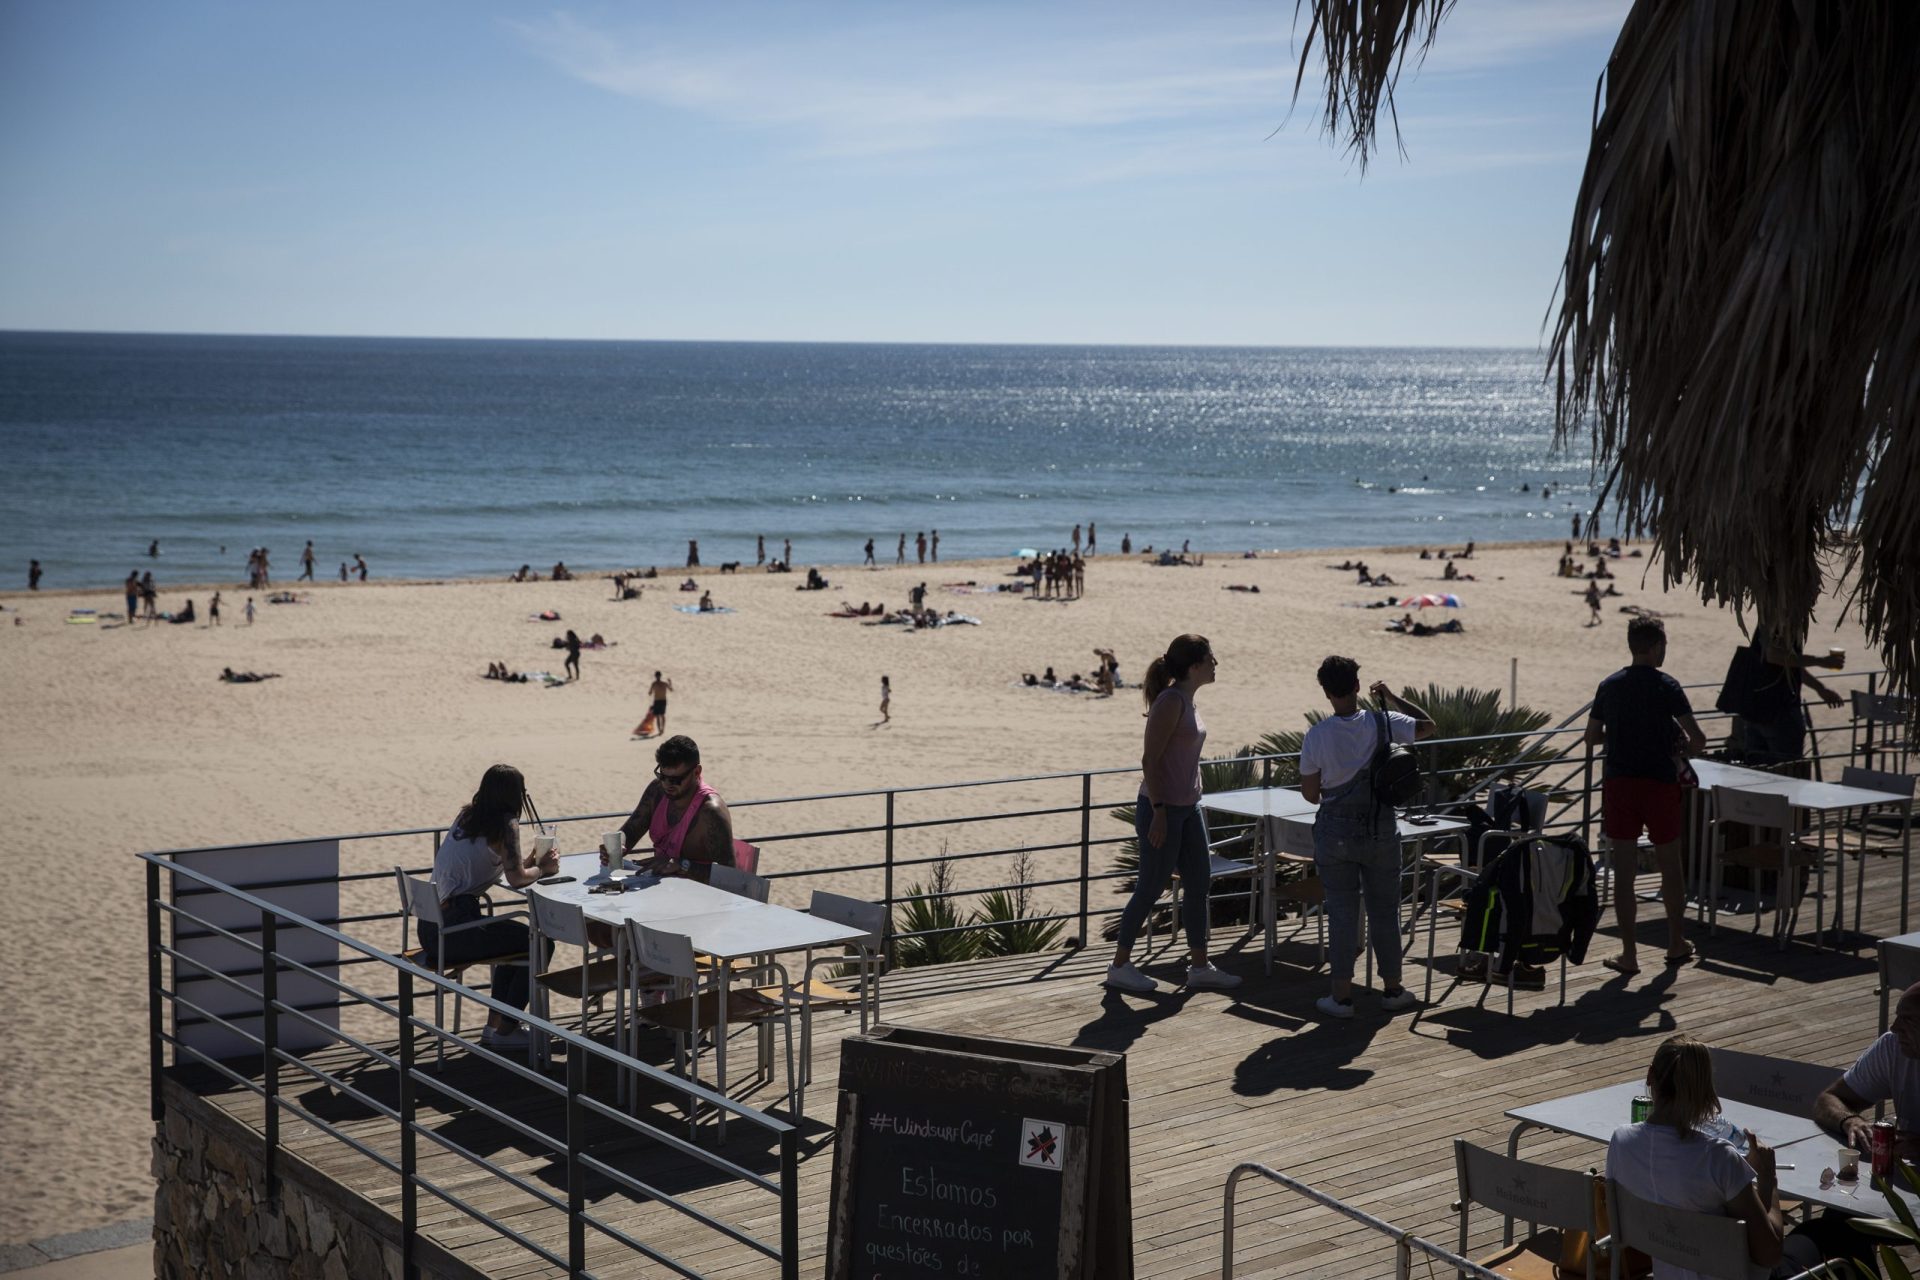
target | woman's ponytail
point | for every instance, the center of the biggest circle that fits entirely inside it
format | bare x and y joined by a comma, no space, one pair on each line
1172,666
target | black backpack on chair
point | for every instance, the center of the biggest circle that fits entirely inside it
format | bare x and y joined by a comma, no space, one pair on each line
1394,771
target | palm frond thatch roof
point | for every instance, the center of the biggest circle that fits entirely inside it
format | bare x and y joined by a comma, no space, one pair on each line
1738,327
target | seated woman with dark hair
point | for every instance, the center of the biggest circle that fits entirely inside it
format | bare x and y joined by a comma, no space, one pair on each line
482,847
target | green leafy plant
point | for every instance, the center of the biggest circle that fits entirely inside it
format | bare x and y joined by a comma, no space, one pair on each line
1232,774
925,908
1901,1229
1006,914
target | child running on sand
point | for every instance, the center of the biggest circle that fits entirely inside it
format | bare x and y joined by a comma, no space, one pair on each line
886,700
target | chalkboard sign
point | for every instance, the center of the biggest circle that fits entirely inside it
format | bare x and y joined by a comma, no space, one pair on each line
968,1156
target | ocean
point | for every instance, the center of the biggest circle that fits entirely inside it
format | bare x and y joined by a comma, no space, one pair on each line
469,458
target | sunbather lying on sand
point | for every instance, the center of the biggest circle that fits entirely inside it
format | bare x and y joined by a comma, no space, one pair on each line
230,676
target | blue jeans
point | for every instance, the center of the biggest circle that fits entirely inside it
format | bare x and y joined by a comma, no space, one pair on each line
1186,850
1356,849
511,983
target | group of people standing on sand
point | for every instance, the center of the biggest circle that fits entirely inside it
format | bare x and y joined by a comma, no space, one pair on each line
1057,575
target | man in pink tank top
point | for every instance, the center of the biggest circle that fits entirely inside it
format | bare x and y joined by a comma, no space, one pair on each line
685,820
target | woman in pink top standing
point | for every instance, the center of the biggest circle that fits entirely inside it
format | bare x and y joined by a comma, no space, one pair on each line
1167,817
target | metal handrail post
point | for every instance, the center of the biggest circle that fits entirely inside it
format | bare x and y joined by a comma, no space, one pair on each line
409,1193
887,896
576,1179
1086,853
270,1041
790,1205
156,1047
1586,799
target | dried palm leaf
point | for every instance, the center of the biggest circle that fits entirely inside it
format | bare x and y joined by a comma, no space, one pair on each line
1738,326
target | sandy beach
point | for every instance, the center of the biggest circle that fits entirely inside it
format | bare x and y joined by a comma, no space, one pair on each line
121,739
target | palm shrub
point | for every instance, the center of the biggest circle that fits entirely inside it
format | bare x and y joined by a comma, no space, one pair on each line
1451,769
1005,912
926,908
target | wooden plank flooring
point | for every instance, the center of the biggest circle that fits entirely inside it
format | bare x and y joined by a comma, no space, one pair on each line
1365,1110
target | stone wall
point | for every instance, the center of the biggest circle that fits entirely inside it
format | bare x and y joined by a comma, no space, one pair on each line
213,1215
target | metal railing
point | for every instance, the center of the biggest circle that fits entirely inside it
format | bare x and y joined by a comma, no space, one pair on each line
586,1118
1405,1243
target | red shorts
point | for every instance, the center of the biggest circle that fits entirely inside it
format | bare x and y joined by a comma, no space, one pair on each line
1629,804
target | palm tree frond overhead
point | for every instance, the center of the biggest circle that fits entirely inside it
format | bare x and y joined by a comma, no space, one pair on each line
1738,327
1366,44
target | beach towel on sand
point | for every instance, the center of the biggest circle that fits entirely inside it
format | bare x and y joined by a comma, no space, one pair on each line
694,608
648,727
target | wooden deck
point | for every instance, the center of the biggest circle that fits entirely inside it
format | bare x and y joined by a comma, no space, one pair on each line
1365,1110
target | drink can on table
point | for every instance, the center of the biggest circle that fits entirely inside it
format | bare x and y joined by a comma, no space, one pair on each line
1642,1108
1882,1133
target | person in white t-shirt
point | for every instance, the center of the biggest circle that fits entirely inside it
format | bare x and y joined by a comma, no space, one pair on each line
1666,1159
1356,846
1889,1071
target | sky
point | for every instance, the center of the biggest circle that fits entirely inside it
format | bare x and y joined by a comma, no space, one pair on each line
980,171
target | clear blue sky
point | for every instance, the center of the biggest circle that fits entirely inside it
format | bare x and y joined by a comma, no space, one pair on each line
976,171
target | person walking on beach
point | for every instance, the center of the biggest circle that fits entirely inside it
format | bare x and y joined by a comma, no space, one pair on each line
360,566
869,559
149,597
1126,544
132,589
1593,603
936,546
249,611
1089,539
33,575
786,553
306,562
213,610
1076,539
1642,717
900,552
1356,840
886,700
573,655
920,545
686,821
658,692
1166,817
760,550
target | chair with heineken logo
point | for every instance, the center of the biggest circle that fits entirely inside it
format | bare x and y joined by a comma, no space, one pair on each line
1558,1205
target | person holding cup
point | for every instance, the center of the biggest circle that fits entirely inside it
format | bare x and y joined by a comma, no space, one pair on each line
684,819
482,847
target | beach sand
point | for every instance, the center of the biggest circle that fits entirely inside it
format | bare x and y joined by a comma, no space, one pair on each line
116,740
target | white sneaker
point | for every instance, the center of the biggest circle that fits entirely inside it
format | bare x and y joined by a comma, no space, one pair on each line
1334,1008
1401,999
518,1038
1204,977
1124,977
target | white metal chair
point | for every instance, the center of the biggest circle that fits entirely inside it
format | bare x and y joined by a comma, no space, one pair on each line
1777,1084
1710,1244
1783,856
1560,1200
699,1011
588,982
811,992
740,883
419,900
1218,868
1899,784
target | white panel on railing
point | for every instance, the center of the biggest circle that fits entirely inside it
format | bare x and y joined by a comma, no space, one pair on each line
244,867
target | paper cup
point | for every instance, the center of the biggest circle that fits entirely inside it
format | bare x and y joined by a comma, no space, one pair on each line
1836,657
610,845
1849,1159
542,846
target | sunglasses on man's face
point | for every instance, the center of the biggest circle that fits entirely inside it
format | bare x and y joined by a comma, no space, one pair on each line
672,779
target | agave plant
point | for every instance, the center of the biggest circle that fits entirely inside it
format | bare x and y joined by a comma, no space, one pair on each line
1005,914
926,908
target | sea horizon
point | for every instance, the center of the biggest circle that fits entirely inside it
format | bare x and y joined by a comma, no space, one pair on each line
465,458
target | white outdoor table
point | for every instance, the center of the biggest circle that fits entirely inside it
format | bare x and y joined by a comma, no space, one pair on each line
1286,825
1802,1182
723,926
1821,799
1596,1113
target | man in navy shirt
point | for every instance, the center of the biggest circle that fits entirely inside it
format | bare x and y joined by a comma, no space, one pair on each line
1642,716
